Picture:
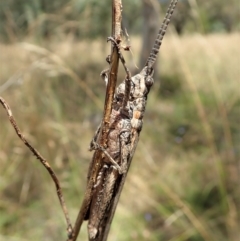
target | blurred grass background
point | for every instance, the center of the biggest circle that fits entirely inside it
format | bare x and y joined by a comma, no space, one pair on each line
183,184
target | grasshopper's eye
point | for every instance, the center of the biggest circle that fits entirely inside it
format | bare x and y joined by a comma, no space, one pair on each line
149,81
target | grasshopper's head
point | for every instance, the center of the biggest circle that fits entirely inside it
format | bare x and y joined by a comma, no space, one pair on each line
148,72
141,83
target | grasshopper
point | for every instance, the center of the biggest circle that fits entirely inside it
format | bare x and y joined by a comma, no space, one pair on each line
110,163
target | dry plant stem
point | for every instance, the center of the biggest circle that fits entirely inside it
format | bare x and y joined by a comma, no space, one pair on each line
97,160
113,71
116,19
42,160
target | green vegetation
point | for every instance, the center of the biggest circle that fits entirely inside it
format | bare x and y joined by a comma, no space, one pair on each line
183,184
42,19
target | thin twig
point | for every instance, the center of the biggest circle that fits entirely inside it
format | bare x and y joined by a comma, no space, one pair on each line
128,77
42,160
113,70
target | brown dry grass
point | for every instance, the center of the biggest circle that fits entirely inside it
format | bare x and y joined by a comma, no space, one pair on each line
183,183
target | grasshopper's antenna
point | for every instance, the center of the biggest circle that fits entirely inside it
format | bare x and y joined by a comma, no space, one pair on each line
153,55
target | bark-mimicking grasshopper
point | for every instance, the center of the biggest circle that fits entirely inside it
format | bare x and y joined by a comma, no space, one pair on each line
105,185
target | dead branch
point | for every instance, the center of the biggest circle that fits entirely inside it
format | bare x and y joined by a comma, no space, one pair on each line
42,160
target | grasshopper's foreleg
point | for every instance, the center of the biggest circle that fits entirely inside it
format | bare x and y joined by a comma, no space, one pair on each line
96,146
